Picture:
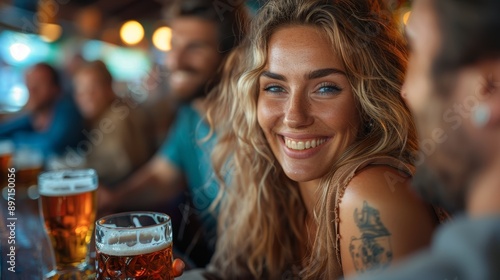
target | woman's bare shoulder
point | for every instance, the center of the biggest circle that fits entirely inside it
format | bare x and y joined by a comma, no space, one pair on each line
379,203
379,180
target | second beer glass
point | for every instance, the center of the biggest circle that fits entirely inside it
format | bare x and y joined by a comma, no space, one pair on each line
68,205
133,246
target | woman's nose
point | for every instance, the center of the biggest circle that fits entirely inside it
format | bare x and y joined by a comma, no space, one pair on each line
298,111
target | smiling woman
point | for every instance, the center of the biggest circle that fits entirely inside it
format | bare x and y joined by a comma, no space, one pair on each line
306,107
318,145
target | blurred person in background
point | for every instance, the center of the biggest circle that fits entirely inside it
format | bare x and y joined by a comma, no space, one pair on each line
160,105
453,89
50,122
117,137
201,41
72,62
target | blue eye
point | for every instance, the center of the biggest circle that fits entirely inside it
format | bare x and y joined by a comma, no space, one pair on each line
274,89
329,89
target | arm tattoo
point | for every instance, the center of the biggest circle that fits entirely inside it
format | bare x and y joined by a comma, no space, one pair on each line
372,250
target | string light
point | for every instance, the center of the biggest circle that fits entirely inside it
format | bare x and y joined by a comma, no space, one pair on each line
131,32
50,32
162,37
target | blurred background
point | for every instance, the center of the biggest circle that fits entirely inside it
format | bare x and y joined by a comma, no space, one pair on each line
130,36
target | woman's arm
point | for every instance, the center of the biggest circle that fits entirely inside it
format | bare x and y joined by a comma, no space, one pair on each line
156,181
381,220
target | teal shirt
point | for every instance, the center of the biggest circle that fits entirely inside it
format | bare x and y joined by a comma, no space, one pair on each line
187,148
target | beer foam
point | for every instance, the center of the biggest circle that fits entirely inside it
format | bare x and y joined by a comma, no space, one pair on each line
123,250
66,182
133,233
131,247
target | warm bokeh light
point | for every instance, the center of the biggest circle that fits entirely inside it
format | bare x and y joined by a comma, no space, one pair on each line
50,32
162,37
406,16
131,32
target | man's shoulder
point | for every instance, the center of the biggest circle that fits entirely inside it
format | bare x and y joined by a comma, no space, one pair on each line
188,109
189,118
462,231
465,248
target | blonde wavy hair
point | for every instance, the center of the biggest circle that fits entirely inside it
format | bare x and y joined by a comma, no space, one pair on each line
262,215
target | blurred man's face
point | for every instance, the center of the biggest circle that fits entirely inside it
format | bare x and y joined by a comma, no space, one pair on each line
194,57
447,148
93,97
42,91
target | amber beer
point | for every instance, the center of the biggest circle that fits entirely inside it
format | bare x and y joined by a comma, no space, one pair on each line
149,263
68,203
5,162
28,165
26,180
134,245
27,176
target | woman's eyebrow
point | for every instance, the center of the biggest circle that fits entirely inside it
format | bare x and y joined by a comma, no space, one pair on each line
274,76
320,73
312,75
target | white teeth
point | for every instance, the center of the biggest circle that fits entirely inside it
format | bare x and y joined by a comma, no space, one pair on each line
308,144
300,145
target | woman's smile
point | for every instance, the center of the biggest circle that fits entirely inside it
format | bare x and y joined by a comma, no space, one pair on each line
306,106
300,144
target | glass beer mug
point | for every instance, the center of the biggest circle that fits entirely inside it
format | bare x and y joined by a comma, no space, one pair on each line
68,204
28,163
133,246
